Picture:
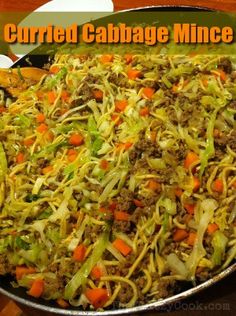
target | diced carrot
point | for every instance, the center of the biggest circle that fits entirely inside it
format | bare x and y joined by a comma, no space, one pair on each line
96,272
128,58
175,88
22,270
98,94
205,82
54,69
117,119
196,184
153,136
191,157
79,253
28,141
121,245
190,208
147,92
62,303
20,158
133,74
104,59
191,238
9,308
40,118
180,234
212,227
154,185
121,216
178,192
72,155
47,169
52,97
76,139
2,109
42,128
138,203
220,73
144,111
97,297
125,146
37,288
120,105
218,186
65,96
104,164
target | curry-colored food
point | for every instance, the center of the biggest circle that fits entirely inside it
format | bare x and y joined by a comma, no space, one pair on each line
118,178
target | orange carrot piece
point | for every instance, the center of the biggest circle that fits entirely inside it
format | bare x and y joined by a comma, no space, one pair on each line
178,192
40,118
128,58
97,297
40,95
180,234
220,73
98,94
52,97
62,303
190,208
125,146
196,184
218,186
37,288
144,111
54,69
104,164
121,216
121,245
212,227
205,82
22,270
72,155
47,169
20,158
42,128
65,96
133,74
117,119
76,139
104,59
154,185
79,253
96,272
2,109
138,203
120,105
28,141
147,93
191,238
191,157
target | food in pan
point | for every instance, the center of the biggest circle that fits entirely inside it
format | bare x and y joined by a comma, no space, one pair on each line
118,178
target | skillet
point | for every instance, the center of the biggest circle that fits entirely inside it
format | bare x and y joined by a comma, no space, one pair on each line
19,294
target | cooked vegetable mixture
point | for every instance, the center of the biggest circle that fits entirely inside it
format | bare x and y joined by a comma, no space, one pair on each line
118,178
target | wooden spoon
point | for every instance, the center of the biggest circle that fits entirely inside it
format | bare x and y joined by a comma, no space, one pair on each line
15,80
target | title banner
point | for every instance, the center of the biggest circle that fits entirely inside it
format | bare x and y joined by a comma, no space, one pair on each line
174,32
